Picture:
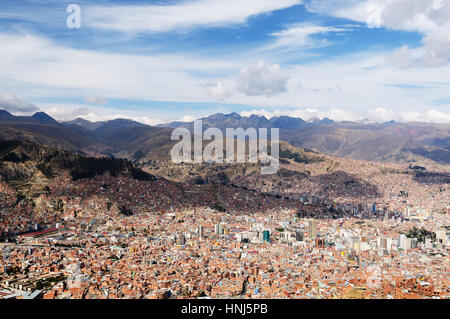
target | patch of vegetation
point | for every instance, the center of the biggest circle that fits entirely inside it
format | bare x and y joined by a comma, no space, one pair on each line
45,169
138,155
125,211
420,234
8,146
217,206
13,157
416,167
299,158
40,285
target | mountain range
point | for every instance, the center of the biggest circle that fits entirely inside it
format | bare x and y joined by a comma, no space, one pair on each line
390,142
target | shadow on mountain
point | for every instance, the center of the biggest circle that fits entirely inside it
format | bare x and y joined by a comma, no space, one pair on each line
439,156
440,142
432,178
340,184
304,156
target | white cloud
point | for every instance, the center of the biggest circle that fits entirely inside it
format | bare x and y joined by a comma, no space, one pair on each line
301,36
402,57
165,77
407,15
437,45
379,115
217,90
180,16
9,102
437,116
187,118
428,17
384,115
96,100
262,79
68,112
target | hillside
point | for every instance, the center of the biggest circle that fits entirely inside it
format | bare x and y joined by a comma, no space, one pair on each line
29,167
389,142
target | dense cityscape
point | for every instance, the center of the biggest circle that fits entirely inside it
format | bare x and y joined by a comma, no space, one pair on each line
110,237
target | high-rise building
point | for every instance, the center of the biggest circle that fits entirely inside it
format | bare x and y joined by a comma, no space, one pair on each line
428,243
181,240
201,231
383,243
405,243
407,211
266,236
312,228
441,237
5,254
219,229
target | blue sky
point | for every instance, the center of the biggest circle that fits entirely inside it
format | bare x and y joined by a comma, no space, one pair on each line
160,61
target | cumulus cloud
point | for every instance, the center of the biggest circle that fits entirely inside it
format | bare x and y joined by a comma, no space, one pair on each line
179,16
381,115
428,17
262,79
437,45
96,100
68,113
402,57
11,103
437,116
217,90
433,116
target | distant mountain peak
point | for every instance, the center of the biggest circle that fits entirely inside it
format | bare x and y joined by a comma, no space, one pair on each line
43,117
123,122
317,120
5,112
314,119
91,126
5,115
326,120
